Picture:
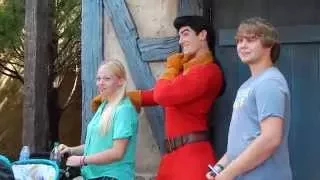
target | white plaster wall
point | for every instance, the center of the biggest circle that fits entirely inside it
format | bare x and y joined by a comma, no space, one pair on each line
153,18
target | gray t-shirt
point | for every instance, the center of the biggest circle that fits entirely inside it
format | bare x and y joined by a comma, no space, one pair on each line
260,97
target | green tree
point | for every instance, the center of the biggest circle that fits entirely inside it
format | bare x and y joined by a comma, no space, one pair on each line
65,46
11,38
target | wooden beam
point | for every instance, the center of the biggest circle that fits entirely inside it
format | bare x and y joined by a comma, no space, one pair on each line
126,32
155,49
141,74
288,34
91,55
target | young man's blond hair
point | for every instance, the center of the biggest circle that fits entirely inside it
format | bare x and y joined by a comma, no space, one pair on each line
257,27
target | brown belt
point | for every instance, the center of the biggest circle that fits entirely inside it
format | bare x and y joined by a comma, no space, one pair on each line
174,143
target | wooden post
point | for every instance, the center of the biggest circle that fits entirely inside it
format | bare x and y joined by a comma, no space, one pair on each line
91,55
35,115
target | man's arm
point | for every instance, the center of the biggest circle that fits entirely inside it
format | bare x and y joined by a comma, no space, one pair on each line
224,161
260,149
188,87
272,99
147,98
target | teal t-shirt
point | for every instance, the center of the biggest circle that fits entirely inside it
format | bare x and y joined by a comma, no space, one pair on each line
124,125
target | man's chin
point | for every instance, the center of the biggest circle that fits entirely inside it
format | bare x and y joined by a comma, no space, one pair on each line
101,93
187,52
248,61
245,61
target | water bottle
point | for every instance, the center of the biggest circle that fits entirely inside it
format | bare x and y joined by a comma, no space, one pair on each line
24,153
55,154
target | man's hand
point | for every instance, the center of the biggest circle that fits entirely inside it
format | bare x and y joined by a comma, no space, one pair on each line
135,97
175,61
209,177
174,65
224,176
95,103
221,176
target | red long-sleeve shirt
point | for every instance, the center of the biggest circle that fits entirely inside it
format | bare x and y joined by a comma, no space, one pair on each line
187,100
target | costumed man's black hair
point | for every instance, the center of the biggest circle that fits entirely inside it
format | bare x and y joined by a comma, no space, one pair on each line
199,23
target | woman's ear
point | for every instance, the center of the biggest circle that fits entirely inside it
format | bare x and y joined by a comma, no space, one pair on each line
121,81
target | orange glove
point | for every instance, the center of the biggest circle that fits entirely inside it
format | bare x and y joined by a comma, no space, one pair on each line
174,65
95,103
175,61
135,97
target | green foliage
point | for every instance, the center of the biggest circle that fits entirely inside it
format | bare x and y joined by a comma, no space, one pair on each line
66,30
11,22
67,22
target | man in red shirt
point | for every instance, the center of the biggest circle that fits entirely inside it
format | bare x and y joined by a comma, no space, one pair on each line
186,90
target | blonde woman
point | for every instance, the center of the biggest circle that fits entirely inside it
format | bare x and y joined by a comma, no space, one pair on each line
109,149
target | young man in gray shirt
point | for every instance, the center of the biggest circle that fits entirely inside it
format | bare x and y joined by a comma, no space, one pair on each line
258,133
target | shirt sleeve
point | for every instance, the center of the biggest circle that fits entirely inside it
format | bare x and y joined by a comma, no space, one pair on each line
147,98
124,122
271,99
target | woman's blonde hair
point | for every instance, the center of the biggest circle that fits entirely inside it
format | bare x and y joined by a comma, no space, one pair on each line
117,69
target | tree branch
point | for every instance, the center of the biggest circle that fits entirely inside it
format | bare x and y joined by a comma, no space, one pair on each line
75,20
15,64
12,73
18,52
68,102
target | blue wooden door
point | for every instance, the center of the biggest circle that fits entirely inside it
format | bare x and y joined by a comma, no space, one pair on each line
299,26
